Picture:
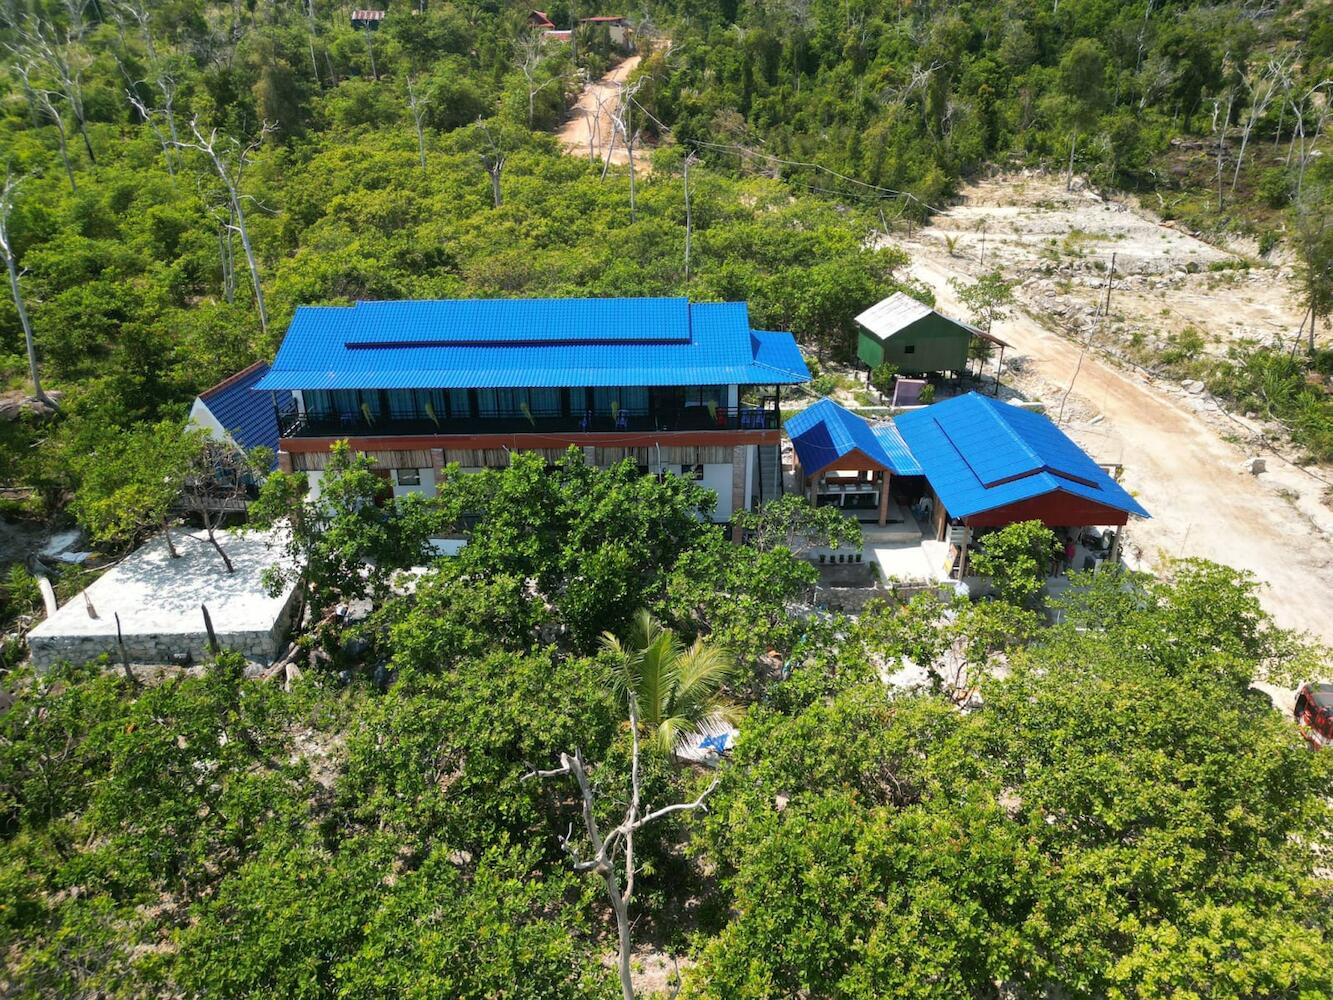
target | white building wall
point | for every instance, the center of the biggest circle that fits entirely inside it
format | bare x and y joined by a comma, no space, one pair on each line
718,479
425,488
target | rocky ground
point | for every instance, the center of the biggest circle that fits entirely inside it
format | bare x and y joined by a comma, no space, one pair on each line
1190,462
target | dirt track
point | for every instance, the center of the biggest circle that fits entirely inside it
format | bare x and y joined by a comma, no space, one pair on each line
1181,469
588,129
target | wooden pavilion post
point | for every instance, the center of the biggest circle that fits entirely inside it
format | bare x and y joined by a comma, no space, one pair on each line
884,499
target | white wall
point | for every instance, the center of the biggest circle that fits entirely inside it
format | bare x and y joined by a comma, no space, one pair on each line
316,481
718,479
427,487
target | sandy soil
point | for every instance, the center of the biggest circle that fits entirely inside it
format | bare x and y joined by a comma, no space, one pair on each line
1059,245
1276,525
588,129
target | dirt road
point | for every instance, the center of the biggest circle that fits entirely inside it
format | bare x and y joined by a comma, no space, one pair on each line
588,130
1178,466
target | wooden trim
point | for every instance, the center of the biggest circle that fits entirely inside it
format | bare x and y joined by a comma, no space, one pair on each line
854,461
231,380
533,442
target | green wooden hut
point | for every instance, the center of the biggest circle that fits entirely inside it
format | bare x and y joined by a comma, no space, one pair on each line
913,337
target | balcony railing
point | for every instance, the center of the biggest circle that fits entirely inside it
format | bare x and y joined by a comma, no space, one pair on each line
762,416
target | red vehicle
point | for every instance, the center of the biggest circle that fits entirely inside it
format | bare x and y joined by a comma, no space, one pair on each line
1314,713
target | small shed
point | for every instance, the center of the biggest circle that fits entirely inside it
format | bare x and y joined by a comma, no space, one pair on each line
233,413
539,19
914,337
367,18
616,25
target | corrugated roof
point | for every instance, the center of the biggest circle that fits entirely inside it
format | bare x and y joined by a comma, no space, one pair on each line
980,454
246,415
899,311
826,432
517,343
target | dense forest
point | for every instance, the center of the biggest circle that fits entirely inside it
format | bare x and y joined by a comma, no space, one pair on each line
1115,813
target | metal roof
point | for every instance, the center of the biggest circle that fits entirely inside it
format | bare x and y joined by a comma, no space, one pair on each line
248,417
980,454
826,432
518,343
899,311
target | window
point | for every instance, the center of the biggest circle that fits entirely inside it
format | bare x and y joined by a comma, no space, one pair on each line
695,472
909,349
409,477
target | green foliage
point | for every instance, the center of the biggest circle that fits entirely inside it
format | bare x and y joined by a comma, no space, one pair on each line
669,688
1017,559
883,376
597,544
346,544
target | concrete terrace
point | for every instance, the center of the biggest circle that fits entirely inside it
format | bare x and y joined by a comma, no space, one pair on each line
158,601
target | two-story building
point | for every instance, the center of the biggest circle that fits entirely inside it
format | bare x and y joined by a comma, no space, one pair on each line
679,387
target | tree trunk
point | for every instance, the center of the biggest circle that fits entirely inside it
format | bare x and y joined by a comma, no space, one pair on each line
1312,322
166,535
495,185
1069,178
83,131
64,153
213,540
27,332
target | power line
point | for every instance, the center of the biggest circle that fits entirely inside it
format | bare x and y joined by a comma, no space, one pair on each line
747,151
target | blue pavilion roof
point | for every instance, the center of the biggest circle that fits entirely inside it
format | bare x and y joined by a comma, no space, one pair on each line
826,432
515,343
979,454
248,417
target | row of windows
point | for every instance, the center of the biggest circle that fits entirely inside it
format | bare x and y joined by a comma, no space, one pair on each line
441,404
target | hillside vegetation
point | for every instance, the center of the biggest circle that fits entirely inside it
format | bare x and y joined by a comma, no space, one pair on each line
1096,808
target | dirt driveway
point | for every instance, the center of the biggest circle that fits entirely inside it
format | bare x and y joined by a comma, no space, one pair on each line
588,129
1179,467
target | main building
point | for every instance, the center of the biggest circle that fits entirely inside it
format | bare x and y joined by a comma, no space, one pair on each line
680,387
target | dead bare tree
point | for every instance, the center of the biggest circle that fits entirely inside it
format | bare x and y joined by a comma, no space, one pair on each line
230,177
417,105
1220,120
7,249
65,60
44,103
1315,98
613,853
529,48
493,157
1264,87
622,125
216,483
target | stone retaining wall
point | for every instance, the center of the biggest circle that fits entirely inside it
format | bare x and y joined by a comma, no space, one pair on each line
262,646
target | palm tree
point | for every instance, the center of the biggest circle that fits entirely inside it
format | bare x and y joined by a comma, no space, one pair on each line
669,688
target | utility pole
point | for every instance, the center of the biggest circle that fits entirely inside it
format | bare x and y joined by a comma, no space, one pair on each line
688,160
1110,276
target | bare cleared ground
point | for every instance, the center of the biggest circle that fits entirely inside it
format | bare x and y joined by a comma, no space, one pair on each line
588,129
1183,457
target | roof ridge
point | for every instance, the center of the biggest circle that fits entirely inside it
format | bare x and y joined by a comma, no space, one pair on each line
993,408
231,380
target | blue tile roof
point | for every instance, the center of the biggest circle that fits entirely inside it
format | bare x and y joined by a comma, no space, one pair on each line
826,432
979,454
246,415
515,343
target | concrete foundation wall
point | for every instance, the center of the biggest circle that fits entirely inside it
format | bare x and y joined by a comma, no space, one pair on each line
260,646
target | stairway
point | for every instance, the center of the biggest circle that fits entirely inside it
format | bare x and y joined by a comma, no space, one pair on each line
768,475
